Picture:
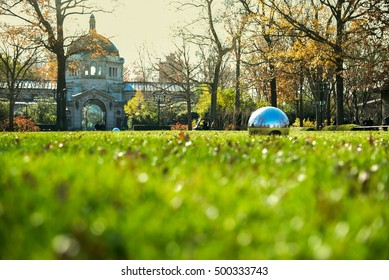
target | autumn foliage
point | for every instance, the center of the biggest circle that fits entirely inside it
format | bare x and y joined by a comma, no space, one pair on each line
21,124
178,126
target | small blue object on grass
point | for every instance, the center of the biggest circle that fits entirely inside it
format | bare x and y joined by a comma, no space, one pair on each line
116,129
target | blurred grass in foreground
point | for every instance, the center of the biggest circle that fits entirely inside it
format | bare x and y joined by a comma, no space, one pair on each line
194,195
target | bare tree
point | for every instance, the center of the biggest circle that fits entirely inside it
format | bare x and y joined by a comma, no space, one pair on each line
143,68
237,26
50,17
214,38
18,53
180,70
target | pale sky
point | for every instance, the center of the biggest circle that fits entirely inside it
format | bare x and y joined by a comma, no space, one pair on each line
132,26
136,23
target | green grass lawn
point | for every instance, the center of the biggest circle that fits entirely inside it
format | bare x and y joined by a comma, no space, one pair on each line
194,195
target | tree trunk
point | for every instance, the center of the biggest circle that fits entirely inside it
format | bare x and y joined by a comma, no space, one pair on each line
237,113
319,105
339,91
189,106
11,112
328,108
214,88
339,63
273,87
273,81
61,93
356,108
301,105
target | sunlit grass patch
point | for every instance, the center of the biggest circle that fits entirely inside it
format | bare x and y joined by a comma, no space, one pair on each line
194,195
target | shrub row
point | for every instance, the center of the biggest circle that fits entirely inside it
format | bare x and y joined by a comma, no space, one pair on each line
343,127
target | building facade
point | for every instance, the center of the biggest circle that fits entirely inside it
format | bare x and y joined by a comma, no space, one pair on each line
95,90
94,80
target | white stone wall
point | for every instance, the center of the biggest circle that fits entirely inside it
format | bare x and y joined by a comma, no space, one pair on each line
100,78
77,104
89,72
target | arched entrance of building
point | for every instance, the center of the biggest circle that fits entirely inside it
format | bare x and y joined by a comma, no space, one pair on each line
93,115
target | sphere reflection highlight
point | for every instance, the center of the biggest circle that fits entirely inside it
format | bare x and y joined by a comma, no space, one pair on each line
268,121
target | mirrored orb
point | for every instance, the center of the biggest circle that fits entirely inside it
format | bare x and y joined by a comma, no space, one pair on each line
116,129
268,121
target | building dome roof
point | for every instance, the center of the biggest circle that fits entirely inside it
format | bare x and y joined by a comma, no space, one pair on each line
93,42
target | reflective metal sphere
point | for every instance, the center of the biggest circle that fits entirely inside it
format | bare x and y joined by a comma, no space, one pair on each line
268,121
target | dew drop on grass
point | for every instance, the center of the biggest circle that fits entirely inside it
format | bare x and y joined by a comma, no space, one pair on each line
143,178
178,187
341,229
318,248
336,195
154,161
301,177
323,252
363,234
363,177
297,223
377,224
63,244
374,168
244,239
272,200
119,155
176,202
36,219
282,248
98,227
314,242
212,213
188,143
100,161
223,181
353,171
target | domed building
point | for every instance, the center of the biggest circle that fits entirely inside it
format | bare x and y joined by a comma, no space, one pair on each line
96,93
95,88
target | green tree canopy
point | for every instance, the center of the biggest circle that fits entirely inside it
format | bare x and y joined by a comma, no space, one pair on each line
139,110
